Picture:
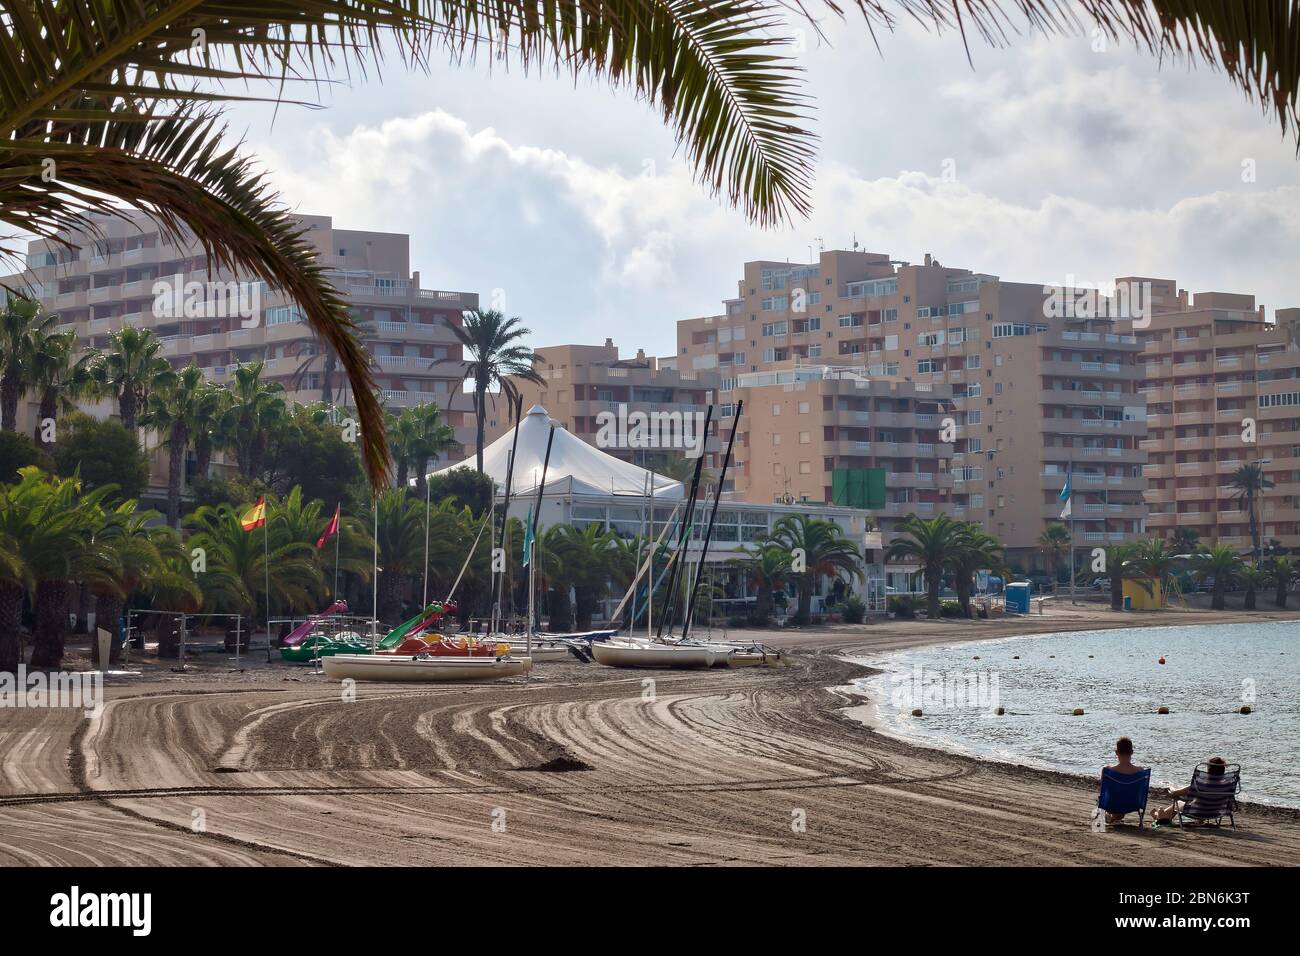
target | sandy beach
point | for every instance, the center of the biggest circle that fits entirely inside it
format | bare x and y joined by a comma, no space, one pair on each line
580,765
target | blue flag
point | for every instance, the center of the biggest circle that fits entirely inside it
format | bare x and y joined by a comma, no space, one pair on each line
528,537
1065,492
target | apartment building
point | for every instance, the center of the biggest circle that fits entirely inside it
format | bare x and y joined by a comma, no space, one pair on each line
1222,390
585,384
1031,394
131,274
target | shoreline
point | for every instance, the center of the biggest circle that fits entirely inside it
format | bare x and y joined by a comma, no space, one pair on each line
868,711
590,765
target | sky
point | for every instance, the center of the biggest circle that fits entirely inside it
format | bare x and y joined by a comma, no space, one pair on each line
1052,160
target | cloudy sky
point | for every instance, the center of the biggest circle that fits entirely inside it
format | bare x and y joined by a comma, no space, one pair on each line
570,206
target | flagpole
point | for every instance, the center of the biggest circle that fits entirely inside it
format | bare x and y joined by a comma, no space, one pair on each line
338,533
266,561
374,590
428,490
1070,481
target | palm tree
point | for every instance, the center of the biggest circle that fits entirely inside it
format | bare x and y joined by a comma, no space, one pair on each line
1283,571
131,370
316,348
584,556
767,571
1250,483
401,547
1221,563
237,565
1185,540
1054,543
1252,576
976,551
255,407
207,431
46,536
22,324
178,411
494,355
931,544
133,552
417,435
60,376
817,548
303,521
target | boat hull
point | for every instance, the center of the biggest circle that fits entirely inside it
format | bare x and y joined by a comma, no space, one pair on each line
616,653
374,667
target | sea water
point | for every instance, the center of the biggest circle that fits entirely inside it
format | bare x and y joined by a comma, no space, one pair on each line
1209,673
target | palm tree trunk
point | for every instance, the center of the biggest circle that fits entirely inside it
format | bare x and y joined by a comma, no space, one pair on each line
933,583
1279,598
9,391
49,408
963,595
403,469
480,416
1254,524
1116,594
1216,602
175,472
1249,603
126,408
202,455
51,623
11,615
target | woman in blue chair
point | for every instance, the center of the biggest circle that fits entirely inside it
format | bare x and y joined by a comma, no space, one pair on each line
1124,765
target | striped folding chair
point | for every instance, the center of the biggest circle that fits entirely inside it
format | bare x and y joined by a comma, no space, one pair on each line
1212,796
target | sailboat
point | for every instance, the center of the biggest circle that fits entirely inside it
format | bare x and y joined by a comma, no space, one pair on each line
662,651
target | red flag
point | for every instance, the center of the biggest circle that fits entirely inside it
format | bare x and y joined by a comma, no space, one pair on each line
333,528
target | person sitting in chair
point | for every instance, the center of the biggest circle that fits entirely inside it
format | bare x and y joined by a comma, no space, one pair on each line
1215,767
1123,764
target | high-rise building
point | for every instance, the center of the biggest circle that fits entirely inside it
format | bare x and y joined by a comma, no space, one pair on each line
591,391
1007,397
1220,385
131,274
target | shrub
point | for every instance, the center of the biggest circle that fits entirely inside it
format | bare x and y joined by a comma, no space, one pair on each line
855,610
902,606
737,620
949,609
19,451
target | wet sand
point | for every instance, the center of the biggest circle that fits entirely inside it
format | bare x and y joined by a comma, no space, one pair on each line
269,766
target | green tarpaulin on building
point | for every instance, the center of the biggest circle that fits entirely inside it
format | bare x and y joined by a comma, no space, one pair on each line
858,487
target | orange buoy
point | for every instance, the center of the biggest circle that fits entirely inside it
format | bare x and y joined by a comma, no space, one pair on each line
999,711
1162,660
1162,710
917,712
1245,708
1078,712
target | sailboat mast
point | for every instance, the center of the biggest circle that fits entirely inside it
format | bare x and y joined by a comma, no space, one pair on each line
505,508
532,540
650,580
683,539
713,514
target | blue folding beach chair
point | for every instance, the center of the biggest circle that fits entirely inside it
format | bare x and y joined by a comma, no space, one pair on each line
1212,796
1124,792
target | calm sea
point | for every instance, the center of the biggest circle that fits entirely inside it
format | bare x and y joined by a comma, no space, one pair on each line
1116,676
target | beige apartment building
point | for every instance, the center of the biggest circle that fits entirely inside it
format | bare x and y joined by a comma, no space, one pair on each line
1029,395
1223,389
586,382
133,275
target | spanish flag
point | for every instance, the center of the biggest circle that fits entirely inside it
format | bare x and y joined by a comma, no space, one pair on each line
255,517
332,530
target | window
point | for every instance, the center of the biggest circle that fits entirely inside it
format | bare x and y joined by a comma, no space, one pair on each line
975,445
973,390
972,361
778,303
815,325
889,315
776,328
930,338
776,438
283,314
925,366
974,417
805,438
805,468
850,321
803,408
776,410
814,298
814,351
922,311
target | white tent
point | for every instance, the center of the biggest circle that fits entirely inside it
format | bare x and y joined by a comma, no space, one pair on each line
575,467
